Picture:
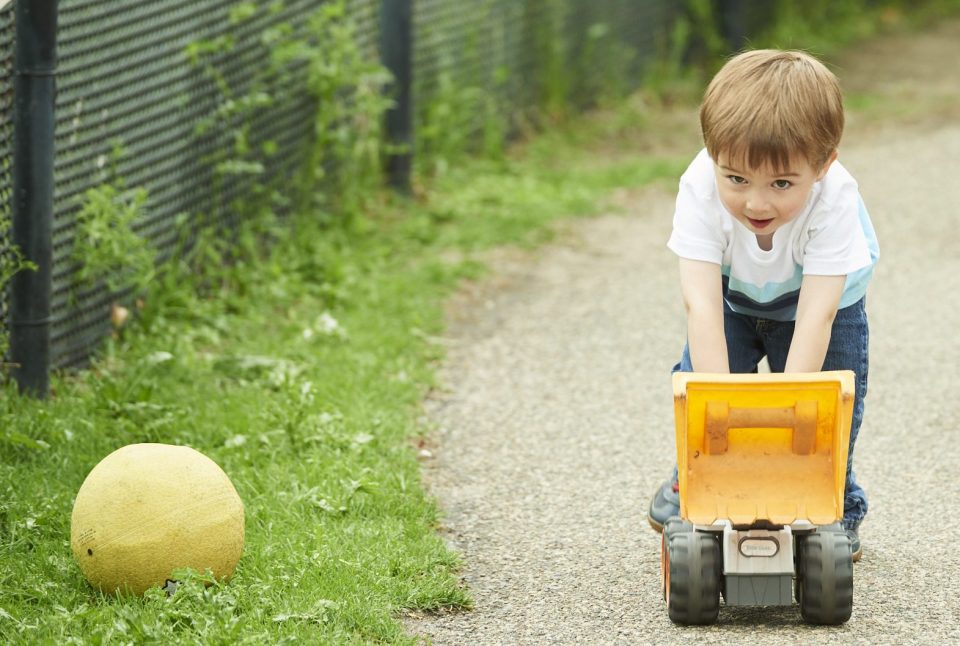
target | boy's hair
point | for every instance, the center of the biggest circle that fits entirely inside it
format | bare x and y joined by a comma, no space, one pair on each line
765,106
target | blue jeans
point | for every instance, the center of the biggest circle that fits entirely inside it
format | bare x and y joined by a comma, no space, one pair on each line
749,339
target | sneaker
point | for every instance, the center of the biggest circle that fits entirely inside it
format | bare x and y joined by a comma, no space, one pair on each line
664,504
852,529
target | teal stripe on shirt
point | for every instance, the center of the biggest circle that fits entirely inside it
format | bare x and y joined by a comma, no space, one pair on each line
770,291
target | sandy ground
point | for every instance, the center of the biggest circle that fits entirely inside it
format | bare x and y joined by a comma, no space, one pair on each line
556,420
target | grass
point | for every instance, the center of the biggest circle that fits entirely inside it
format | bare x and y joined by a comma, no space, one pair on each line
301,372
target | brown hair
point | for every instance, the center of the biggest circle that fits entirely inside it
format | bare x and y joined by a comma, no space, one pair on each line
766,105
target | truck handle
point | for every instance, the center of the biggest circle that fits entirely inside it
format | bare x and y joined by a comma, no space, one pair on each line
721,417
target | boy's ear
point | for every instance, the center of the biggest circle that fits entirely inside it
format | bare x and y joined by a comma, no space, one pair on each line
826,166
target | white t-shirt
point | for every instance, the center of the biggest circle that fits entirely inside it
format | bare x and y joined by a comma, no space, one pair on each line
831,236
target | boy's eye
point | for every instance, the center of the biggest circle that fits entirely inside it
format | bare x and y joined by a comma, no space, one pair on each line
782,183
736,179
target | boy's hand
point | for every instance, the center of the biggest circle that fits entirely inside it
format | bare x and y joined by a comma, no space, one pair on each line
702,289
816,309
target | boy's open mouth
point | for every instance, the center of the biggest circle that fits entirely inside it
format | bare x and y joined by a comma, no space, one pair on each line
759,223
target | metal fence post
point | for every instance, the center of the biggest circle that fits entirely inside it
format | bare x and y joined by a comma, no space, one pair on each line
34,92
396,53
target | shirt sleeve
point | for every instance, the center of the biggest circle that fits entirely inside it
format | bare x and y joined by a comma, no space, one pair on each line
836,244
697,230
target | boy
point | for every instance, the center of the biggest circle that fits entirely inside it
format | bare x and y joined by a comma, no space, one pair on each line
776,248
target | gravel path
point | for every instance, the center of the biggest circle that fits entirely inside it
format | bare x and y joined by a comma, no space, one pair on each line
556,424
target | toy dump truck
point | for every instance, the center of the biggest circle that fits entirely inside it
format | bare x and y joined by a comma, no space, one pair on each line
762,463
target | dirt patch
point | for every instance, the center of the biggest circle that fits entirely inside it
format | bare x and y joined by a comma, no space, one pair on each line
902,79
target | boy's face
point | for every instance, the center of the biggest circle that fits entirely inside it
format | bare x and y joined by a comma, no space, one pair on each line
764,199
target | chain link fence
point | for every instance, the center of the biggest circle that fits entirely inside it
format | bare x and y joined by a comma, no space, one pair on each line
140,83
129,105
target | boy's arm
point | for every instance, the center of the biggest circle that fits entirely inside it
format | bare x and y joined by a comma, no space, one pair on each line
702,289
816,309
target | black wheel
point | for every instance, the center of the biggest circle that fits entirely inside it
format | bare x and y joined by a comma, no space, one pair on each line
825,574
672,526
675,525
692,577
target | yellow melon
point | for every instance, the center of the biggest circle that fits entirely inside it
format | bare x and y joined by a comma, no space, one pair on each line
148,509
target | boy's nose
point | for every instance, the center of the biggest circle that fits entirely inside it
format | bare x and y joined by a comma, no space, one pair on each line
756,204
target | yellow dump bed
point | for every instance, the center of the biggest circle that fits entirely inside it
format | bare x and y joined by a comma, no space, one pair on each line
762,446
